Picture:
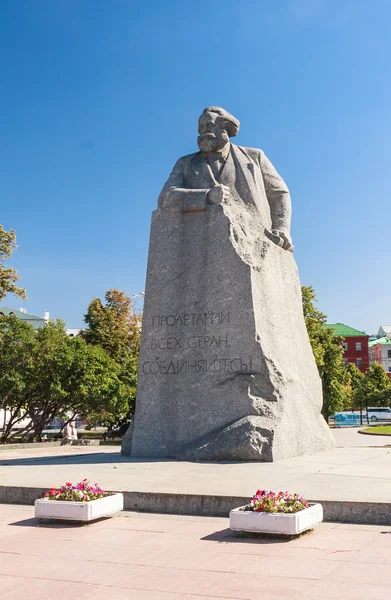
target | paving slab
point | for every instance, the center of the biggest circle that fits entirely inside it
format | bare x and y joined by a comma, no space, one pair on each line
168,557
352,482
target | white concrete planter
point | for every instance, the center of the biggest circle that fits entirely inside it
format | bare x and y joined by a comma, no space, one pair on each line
78,511
280,523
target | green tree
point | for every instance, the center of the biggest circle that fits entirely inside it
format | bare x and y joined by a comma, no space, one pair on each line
39,370
48,388
116,327
8,276
98,392
113,325
17,350
45,374
354,389
328,352
376,386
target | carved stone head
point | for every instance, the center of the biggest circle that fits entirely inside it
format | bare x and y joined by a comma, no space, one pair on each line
215,127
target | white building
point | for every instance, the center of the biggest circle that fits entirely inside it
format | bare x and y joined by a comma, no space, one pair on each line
384,331
73,332
380,352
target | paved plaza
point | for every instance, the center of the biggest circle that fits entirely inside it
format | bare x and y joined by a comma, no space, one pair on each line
358,470
164,557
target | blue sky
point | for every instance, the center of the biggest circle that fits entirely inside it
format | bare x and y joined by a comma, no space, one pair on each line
99,99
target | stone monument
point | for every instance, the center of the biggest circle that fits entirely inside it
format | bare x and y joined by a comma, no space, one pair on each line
226,368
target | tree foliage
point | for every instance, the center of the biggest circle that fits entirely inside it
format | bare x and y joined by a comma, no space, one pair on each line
17,348
116,327
8,276
344,387
354,390
372,388
376,386
45,374
328,352
113,325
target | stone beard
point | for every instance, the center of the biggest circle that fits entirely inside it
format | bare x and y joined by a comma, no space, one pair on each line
226,368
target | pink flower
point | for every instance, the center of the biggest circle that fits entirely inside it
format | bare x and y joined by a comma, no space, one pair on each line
82,491
268,501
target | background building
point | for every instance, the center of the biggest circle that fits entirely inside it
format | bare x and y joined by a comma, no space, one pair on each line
355,345
36,322
380,351
73,332
25,316
384,331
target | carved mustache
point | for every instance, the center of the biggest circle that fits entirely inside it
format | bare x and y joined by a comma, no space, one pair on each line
207,136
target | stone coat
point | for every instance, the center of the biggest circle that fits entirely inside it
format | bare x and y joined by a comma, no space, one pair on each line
248,173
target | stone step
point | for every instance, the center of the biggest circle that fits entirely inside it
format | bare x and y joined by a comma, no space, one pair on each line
368,513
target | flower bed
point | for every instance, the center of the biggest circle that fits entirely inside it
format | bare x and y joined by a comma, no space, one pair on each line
282,513
80,502
81,492
270,502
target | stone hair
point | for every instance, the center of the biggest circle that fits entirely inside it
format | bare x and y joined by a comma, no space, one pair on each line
230,122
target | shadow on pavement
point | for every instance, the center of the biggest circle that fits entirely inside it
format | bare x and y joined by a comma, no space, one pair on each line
55,524
96,458
232,537
77,459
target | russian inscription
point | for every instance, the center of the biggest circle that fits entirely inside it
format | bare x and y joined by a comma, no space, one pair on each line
184,340
199,366
191,319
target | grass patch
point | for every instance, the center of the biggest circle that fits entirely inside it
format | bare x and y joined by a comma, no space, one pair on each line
383,429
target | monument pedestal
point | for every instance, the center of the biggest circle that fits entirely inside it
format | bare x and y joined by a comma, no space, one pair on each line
226,368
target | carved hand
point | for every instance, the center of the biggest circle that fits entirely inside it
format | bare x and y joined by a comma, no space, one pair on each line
283,240
218,193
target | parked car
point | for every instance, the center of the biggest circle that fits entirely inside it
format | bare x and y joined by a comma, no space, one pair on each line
379,413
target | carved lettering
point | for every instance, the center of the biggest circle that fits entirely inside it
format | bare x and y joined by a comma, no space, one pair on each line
206,341
191,319
198,366
166,343
202,339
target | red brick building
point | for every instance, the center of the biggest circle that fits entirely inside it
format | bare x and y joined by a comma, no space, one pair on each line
355,345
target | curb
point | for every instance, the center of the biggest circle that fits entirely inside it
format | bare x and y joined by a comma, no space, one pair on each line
363,513
35,445
29,446
363,432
